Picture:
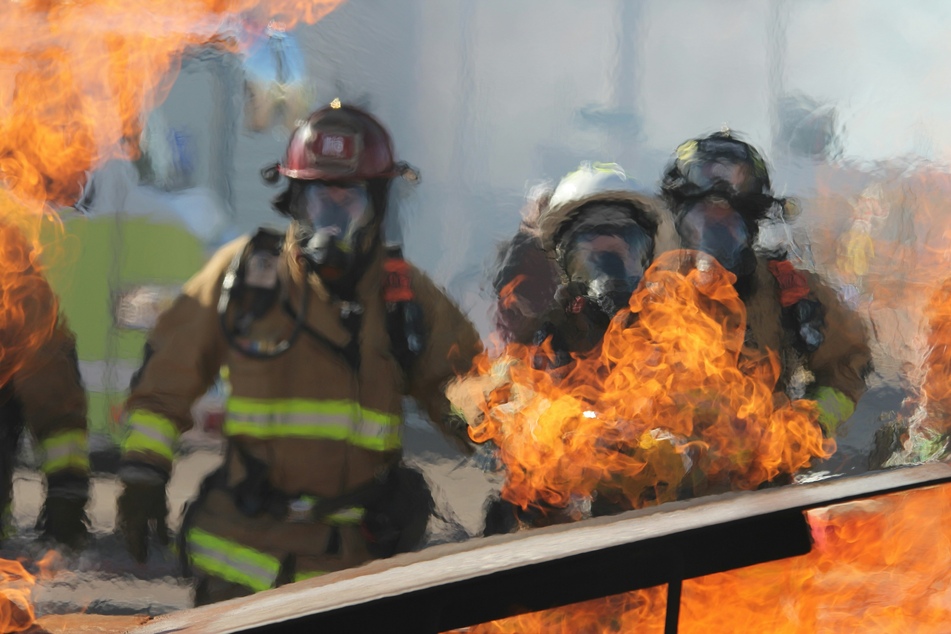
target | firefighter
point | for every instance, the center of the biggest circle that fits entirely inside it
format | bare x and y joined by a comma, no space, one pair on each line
718,189
602,231
323,330
46,396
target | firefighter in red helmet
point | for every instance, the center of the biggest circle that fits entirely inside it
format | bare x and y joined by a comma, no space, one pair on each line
323,330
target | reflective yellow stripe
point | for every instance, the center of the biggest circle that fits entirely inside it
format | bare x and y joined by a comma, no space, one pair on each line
231,561
65,450
150,433
352,515
340,420
308,574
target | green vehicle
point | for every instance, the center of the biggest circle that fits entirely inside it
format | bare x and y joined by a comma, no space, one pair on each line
114,273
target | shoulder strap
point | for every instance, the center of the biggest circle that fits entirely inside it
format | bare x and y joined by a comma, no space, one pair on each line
793,285
252,285
404,316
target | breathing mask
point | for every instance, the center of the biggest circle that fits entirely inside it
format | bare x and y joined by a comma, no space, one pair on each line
713,226
609,261
333,219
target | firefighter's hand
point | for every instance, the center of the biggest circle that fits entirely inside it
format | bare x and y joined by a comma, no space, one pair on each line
63,517
142,511
834,408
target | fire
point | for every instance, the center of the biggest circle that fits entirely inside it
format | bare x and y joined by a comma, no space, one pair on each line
936,388
894,258
16,588
672,399
76,79
888,248
878,565
16,585
507,294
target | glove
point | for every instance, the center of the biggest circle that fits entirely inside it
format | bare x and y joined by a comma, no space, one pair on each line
142,509
834,409
63,517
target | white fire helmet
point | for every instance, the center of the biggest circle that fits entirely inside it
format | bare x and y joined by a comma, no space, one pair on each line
602,182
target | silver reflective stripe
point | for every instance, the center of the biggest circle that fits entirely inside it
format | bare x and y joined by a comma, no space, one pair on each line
232,561
316,419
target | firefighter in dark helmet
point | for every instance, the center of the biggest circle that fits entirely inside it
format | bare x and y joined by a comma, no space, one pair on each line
718,188
323,331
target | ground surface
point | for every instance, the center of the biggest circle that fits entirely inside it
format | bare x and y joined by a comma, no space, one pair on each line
104,580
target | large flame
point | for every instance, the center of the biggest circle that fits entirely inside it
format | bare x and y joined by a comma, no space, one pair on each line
672,399
878,565
76,81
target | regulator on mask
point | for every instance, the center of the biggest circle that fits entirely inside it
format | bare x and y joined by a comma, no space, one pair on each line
333,219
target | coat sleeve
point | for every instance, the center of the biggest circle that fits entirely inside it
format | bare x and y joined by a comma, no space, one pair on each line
53,398
452,344
183,356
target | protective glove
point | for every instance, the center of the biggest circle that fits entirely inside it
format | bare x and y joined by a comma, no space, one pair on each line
63,516
142,508
834,408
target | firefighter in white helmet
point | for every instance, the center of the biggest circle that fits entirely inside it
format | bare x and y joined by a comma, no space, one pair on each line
602,230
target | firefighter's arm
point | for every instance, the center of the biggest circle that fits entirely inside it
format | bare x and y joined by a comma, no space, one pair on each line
183,356
452,344
842,361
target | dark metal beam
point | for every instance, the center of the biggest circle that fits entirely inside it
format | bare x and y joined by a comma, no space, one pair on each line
455,585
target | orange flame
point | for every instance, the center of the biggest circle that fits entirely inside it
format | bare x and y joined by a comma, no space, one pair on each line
507,295
673,398
76,79
878,565
16,588
936,388
894,250
16,585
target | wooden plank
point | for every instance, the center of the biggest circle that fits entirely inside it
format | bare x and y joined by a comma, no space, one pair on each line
421,590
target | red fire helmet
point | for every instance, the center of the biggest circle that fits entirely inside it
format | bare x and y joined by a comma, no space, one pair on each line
340,143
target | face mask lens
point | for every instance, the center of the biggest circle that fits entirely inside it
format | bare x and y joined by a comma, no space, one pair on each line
334,209
720,231
611,259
